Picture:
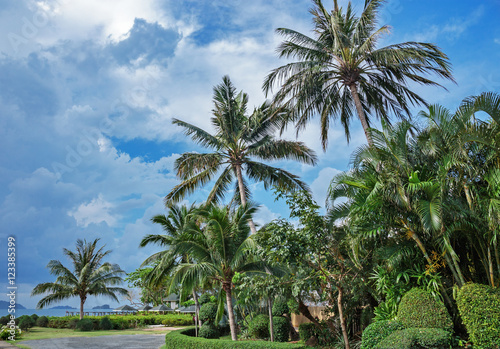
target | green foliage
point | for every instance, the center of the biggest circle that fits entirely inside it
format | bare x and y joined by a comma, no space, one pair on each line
8,332
479,307
42,321
306,331
183,339
377,331
410,338
280,308
4,320
204,298
209,330
208,312
258,327
105,324
418,308
281,328
85,325
34,317
72,323
26,322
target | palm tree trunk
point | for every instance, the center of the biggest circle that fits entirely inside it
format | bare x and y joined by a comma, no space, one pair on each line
82,302
239,175
196,312
226,286
271,324
341,316
361,113
490,265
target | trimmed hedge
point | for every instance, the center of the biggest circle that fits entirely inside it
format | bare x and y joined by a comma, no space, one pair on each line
281,329
121,322
105,324
418,308
85,325
479,307
378,331
307,330
209,330
42,321
181,339
208,312
410,338
259,327
280,308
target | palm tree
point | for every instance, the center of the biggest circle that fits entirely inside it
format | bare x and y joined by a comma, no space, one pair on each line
178,225
340,70
238,139
224,248
90,276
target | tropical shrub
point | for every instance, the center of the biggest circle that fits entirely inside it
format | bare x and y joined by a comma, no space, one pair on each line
26,322
410,338
378,331
42,321
280,308
4,320
34,317
258,327
72,323
208,312
281,328
85,325
479,307
209,330
306,331
184,339
105,324
418,308
8,332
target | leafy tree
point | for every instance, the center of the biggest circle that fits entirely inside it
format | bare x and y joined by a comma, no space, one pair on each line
238,140
341,70
90,276
150,293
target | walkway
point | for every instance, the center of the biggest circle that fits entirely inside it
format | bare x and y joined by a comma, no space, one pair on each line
136,341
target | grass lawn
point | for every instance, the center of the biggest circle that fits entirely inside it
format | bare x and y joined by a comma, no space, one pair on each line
45,332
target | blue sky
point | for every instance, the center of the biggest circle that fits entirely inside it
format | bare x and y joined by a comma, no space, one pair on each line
88,89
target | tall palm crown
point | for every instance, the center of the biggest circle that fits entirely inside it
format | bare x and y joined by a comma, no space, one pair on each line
341,70
90,276
239,138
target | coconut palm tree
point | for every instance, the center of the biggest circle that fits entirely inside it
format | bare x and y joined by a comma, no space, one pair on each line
238,140
90,276
224,248
341,71
178,225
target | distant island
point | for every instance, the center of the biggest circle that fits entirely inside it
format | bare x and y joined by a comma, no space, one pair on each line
5,305
105,306
63,307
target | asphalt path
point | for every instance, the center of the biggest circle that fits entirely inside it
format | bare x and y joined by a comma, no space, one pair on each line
135,341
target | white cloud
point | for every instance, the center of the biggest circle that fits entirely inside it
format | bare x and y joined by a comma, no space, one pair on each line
96,211
319,186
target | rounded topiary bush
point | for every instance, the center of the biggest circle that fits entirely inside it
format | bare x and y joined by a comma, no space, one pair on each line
208,312
479,307
411,338
4,320
34,317
418,308
280,308
258,327
42,321
85,325
377,331
307,330
209,330
281,329
72,323
105,324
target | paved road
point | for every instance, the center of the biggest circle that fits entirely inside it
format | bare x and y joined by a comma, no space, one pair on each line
137,341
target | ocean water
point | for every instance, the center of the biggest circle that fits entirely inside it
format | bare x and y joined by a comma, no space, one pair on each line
49,312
